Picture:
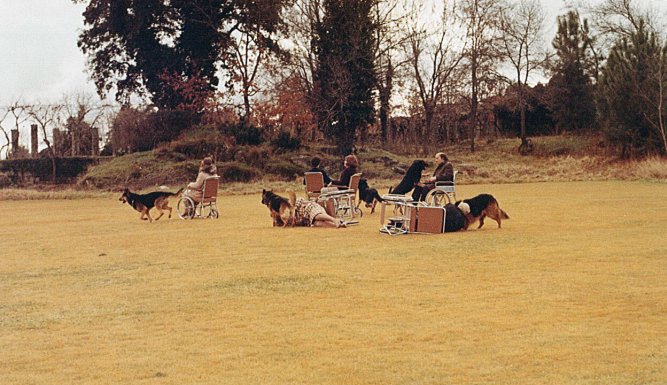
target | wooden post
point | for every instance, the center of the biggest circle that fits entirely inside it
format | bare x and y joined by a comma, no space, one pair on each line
15,141
34,141
94,141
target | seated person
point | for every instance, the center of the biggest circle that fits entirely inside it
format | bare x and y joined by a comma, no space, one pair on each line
351,165
206,169
443,172
316,164
309,213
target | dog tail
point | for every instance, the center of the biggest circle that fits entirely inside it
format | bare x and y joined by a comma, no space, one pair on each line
503,214
178,192
378,197
390,188
292,209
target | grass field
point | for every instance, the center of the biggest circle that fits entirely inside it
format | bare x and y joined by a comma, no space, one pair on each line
572,290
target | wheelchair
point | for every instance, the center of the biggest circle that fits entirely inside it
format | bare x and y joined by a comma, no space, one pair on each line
443,193
206,207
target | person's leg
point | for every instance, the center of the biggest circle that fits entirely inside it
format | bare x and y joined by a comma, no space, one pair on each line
417,193
326,220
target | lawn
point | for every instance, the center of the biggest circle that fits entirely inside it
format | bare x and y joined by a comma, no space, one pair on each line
572,290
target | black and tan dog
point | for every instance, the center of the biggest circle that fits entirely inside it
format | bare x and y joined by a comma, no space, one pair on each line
368,195
480,207
411,178
143,203
281,209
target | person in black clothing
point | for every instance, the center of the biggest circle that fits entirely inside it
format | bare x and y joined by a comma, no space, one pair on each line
316,164
351,165
443,172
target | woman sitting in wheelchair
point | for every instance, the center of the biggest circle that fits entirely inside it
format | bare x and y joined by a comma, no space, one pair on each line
206,169
444,172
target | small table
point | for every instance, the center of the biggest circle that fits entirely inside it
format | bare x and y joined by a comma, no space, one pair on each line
400,222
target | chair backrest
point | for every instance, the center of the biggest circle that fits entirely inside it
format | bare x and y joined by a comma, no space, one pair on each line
354,181
210,189
314,182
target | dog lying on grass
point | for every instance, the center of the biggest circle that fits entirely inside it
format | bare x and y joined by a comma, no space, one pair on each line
480,207
368,195
281,209
410,179
143,203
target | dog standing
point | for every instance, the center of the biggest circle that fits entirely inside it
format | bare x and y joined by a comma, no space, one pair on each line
369,195
411,178
143,203
480,207
281,209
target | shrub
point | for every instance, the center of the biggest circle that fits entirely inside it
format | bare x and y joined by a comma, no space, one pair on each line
197,144
237,172
254,156
284,169
243,134
285,141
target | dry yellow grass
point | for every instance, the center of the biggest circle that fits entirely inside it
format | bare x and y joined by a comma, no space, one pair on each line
572,290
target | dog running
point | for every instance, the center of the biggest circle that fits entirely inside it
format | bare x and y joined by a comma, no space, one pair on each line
480,207
281,209
368,195
143,203
411,178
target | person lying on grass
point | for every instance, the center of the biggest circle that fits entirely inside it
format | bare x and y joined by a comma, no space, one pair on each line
309,213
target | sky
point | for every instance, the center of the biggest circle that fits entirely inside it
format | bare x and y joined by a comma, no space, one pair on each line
40,61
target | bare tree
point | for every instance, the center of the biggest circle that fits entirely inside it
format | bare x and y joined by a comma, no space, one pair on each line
46,116
83,112
523,47
482,24
434,56
245,63
5,146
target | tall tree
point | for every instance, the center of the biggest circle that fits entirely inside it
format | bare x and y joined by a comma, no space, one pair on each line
433,59
131,45
345,78
571,88
522,26
632,94
481,18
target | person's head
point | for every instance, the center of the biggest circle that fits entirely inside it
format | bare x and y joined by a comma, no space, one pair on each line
315,162
351,161
206,165
441,158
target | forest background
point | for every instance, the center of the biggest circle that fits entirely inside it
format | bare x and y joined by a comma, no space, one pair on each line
250,82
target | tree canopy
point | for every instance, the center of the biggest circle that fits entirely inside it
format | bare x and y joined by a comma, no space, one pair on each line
133,45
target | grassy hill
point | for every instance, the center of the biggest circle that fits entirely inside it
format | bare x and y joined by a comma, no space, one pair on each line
558,158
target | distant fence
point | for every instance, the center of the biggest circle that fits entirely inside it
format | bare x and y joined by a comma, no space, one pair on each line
38,170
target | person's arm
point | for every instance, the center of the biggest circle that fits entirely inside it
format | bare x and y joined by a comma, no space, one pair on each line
326,178
446,174
199,183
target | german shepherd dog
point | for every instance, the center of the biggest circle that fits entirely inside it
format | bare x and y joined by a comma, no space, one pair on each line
281,209
480,207
143,203
411,178
368,195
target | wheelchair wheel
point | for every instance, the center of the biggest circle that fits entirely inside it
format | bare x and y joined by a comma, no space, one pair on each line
437,198
209,211
185,208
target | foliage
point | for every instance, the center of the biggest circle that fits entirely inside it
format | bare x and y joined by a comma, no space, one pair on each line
244,134
132,45
142,130
285,141
538,117
41,168
345,76
237,172
196,144
570,88
284,169
631,86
